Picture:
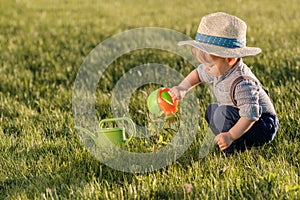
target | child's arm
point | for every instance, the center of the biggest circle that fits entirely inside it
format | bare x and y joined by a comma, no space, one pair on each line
241,127
178,92
225,139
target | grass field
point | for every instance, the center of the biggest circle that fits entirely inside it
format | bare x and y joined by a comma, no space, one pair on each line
42,45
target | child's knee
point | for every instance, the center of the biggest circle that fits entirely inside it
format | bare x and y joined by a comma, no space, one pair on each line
225,117
210,110
220,113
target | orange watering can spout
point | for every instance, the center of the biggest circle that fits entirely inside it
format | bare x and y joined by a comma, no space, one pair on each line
166,103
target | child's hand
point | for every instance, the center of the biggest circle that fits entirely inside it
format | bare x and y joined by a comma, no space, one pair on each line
177,93
224,140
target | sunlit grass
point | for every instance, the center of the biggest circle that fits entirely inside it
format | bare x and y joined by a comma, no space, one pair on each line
43,44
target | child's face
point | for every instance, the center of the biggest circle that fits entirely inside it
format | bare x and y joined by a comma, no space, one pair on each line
214,65
220,67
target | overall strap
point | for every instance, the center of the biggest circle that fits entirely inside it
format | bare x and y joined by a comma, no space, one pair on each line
236,81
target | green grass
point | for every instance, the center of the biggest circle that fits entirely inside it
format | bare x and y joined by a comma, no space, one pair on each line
42,45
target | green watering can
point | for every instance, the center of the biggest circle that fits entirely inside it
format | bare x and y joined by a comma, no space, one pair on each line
115,135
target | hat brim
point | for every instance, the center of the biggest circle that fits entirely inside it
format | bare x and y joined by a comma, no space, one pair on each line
222,51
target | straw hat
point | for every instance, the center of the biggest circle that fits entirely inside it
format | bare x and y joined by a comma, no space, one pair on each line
222,35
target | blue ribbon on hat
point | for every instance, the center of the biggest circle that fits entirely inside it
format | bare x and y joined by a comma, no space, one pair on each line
221,41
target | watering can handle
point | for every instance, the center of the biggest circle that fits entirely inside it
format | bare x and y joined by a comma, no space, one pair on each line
119,119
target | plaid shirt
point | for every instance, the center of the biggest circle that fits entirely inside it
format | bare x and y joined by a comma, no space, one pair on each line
251,99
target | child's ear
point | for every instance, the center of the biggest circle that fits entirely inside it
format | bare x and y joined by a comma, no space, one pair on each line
231,61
